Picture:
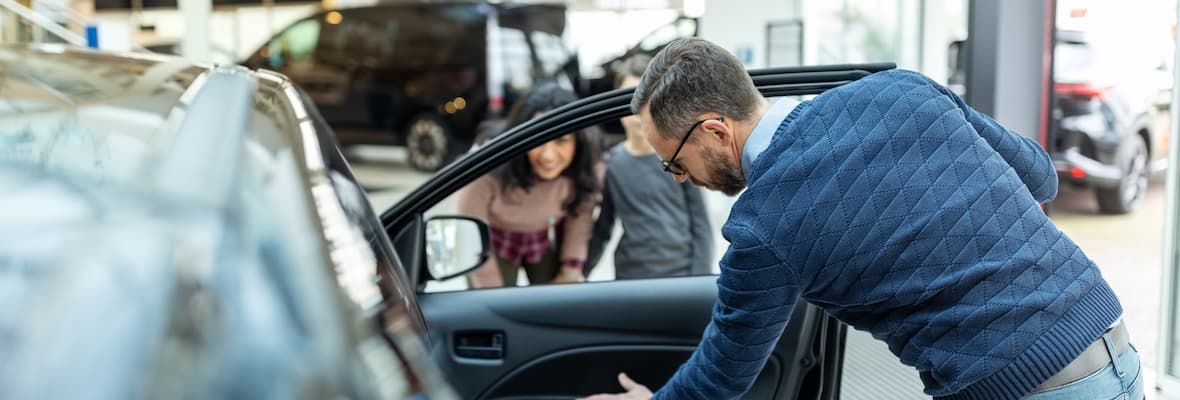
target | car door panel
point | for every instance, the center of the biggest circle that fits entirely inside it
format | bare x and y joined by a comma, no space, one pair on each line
565,341
597,366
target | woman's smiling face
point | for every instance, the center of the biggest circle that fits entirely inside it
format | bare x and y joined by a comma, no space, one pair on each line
552,158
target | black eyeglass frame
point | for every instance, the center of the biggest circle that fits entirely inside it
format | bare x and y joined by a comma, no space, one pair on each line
673,167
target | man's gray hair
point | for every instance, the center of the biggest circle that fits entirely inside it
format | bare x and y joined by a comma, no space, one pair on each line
693,76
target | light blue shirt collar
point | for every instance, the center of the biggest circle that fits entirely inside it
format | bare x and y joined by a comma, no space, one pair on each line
760,137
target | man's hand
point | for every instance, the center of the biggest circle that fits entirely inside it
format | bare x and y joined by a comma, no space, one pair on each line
634,390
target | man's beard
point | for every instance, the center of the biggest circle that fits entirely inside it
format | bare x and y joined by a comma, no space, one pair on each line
727,176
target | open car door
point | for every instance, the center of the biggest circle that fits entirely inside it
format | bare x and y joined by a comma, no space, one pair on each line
566,341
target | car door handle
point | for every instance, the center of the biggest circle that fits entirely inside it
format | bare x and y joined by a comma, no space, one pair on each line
484,345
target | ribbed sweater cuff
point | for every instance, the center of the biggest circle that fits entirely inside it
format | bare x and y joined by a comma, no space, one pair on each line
1055,349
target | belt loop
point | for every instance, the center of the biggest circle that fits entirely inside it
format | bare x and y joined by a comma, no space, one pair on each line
1114,358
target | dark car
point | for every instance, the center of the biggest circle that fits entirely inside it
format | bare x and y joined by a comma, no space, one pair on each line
1104,136
424,75
176,231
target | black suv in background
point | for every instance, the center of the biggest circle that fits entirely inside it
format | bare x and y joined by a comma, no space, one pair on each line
1104,136
427,76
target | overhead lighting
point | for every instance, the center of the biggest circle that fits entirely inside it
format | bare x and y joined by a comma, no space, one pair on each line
333,18
694,8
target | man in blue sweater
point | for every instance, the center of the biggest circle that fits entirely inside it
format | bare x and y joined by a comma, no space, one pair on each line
899,210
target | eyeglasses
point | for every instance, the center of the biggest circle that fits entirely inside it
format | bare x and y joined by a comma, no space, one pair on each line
673,167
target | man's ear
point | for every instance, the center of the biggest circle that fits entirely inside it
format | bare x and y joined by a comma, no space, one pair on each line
719,130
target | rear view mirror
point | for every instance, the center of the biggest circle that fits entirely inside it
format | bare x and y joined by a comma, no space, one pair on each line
455,245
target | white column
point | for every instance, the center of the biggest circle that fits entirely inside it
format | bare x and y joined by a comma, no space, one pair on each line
810,42
1168,380
194,44
934,40
909,34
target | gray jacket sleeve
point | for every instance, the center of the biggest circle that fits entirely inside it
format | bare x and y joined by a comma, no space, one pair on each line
702,231
600,234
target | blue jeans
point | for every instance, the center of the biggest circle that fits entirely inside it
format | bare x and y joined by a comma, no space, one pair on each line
1120,380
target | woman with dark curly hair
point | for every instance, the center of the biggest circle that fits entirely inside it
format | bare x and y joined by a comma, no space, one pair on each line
540,205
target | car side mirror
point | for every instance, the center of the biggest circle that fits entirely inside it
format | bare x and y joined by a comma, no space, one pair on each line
455,245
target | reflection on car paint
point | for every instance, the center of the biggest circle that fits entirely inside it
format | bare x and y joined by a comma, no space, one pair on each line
245,304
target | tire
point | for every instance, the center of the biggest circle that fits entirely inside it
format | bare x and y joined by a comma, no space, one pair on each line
1125,198
430,142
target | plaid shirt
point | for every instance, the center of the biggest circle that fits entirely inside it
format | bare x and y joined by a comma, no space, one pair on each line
516,246
527,246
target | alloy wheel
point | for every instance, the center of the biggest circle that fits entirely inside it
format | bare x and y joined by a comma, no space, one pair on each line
427,144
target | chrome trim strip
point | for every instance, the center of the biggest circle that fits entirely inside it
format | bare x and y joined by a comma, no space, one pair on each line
355,263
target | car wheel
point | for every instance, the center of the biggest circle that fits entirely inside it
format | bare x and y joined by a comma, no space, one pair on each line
1127,196
430,143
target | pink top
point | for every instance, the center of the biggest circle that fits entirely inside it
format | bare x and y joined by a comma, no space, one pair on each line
532,211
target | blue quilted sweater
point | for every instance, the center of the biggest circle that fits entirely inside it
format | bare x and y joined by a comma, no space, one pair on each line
901,211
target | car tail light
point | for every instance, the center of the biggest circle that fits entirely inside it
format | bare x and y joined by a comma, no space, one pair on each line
1077,173
496,104
1081,89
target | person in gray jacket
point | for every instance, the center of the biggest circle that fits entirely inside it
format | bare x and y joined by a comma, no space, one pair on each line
666,230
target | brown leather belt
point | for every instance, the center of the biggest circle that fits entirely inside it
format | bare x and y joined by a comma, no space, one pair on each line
1091,360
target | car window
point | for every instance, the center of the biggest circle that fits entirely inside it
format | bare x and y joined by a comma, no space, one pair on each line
358,37
622,254
621,240
1071,56
517,63
551,51
639,222
295,45
430,37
